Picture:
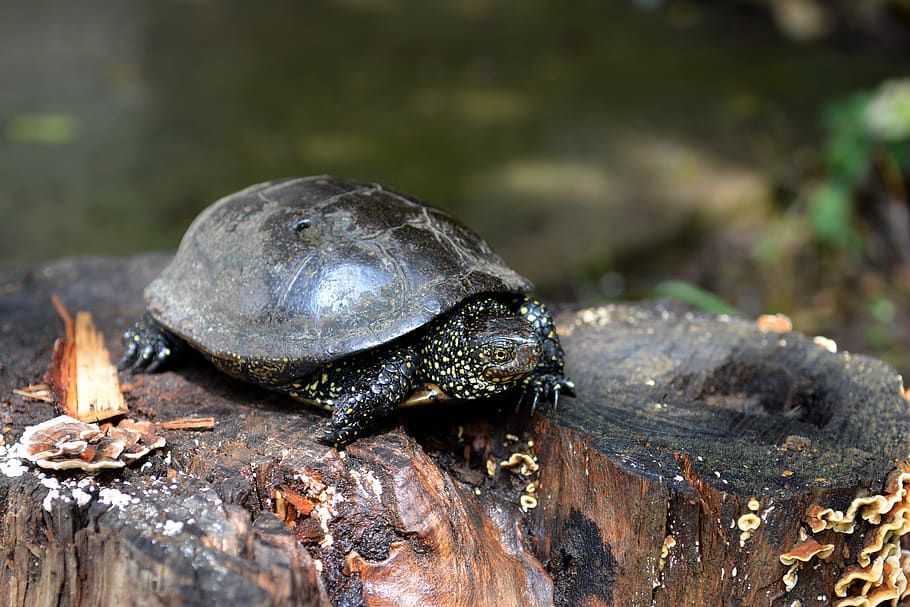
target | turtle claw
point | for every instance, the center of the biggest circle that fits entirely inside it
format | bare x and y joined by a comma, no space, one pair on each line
158,360
521,400
129,355
534,401
564,386
355,412
148,346
336,437
546,387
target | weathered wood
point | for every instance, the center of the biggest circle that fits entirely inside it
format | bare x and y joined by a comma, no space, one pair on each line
682,423
684,419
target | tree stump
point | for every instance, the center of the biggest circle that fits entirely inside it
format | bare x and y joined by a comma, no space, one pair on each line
699,450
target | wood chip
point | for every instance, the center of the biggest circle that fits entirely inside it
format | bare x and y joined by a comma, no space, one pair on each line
85,382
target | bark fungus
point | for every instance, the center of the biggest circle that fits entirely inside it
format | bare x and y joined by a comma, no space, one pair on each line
706,461
64,443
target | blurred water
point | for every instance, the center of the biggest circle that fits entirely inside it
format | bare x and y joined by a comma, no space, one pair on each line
569,135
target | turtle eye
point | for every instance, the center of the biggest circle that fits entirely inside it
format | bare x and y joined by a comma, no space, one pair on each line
301,225
501,354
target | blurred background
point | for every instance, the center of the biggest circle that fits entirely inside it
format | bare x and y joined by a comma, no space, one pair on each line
742,155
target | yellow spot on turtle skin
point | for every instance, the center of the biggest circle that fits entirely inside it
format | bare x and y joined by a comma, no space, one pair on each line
295,385
523,310
325,377
349,411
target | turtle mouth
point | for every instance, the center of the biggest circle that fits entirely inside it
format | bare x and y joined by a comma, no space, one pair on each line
502,379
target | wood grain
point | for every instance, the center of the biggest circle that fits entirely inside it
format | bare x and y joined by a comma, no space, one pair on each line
684,423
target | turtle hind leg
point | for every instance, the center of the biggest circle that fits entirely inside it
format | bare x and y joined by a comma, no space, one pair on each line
149,346
362,393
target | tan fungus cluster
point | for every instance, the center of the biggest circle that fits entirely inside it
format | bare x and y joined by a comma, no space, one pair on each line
747,523
774,323
64,443
882,568
802,553
525,465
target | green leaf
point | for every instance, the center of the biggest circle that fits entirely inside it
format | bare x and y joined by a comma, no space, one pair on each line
830,215
695,296
847,147
887,115
45,128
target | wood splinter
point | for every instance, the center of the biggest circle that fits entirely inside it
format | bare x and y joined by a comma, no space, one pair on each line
188,423
36,392
84,381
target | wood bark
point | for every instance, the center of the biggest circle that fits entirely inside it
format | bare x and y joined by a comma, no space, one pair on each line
629,494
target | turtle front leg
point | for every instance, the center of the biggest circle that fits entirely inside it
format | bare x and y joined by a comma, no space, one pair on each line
548,382
359,392
148,346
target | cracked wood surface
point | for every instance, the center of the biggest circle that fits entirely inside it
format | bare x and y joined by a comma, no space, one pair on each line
684,423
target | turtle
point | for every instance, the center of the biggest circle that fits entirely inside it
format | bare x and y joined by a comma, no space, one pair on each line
350,296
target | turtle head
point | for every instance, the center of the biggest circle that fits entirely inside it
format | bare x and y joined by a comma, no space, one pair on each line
483,349
502,349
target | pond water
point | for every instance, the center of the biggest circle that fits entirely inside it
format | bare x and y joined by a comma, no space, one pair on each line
572,136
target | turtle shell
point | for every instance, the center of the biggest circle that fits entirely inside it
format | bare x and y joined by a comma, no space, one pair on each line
299,272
